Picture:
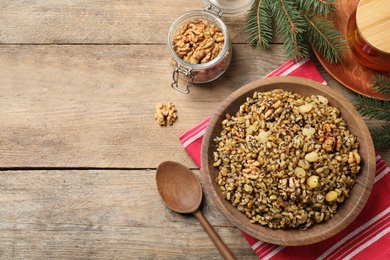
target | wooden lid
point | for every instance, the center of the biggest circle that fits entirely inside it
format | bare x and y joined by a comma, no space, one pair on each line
373,23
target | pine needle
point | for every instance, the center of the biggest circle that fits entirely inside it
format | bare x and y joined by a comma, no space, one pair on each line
378,109
286,18
325,38
292,27
373,108
382,84
319,7
259,24
381,136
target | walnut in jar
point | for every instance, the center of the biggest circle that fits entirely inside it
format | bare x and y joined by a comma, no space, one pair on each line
198,41
200,48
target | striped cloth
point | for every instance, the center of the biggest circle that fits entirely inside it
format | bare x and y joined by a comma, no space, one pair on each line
367,237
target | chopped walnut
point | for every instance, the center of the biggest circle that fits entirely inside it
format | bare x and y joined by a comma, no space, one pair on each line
251,170
354,161
289,188
165,113
327,135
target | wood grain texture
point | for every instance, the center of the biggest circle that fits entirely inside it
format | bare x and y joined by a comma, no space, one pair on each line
372,18
102,215
78,84
92,106
98,22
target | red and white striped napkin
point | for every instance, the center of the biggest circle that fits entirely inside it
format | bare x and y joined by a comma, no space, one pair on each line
368,237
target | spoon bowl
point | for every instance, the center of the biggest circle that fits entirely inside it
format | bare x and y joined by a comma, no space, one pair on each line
181,191
179,187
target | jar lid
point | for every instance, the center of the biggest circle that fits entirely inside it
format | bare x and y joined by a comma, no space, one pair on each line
230,7
373,19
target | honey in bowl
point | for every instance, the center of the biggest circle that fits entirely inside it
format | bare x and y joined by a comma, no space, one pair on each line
369,34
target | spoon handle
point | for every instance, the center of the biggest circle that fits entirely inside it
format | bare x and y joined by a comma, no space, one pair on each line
213,235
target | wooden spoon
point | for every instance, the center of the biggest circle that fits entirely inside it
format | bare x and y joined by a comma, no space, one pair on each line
181,192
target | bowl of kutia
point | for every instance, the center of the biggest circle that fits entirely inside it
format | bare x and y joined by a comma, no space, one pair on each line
262,182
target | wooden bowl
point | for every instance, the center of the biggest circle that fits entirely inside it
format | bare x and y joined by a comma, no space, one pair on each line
347,211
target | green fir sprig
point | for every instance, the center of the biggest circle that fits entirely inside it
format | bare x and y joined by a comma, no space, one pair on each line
374,108
319,7
378,109
382,84
291,26
323,36
301,24
381,136
261,34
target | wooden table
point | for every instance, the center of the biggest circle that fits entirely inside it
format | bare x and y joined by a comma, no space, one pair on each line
79,145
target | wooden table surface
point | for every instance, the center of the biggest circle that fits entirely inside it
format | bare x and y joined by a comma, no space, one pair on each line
79,145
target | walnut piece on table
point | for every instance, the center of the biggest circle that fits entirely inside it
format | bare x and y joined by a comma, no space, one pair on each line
165,113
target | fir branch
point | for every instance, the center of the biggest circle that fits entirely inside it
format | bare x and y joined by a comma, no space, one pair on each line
259,24
319,7
286,17
373,108
292,27
382,84
381,136
325,38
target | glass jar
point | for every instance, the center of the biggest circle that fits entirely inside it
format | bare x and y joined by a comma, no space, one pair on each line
369,34
188,73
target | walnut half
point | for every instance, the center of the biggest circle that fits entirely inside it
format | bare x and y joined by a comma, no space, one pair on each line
198,41
165,113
